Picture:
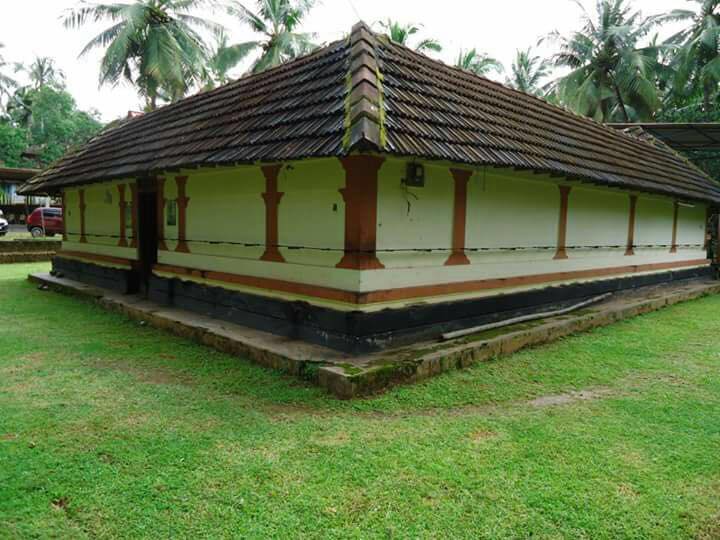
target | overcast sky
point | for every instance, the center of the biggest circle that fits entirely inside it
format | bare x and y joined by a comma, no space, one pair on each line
30,28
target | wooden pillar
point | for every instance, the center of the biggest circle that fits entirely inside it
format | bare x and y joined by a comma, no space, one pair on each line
458,256
676,210
182,204
272,199
708,234
630,250
65,217
123,225
134,214
162,246
83,238
561,252
360,195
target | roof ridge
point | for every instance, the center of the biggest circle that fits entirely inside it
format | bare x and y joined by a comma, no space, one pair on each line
364,103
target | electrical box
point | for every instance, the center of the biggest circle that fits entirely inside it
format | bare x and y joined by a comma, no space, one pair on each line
414,175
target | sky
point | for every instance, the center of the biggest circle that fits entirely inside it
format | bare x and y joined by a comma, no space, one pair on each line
30,28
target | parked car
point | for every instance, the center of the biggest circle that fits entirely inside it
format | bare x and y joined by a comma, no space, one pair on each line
45,222
3,224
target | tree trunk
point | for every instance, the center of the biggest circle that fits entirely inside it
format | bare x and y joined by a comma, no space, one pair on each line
618,95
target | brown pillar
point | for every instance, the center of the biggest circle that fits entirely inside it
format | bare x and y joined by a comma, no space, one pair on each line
182,204
360,194
272,199
123,204
134,213
162,246
708,234
83,239
630,250
561,252
64,210
674,246
458,257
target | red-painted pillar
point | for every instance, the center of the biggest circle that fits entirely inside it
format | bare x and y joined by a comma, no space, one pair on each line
561,252
272,199
676,210
123,225
182,204
83,239
162,246
360,195
458,256
630,249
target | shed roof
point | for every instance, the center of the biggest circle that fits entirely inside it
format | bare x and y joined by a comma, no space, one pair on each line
366,93
15,175
685,137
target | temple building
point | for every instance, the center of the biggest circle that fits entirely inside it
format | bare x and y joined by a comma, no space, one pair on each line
366,196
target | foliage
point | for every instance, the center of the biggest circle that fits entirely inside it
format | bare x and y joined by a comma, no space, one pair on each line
110,429
404,34
478,63
45,119
277,21
152,44
7,83
527,72
696,63
44,72
13,141
612,77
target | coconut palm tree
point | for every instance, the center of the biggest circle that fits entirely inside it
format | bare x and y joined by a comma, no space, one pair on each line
277,21
7,83
527,72
478,63
696,61
403,34
152,44
44,72
611,77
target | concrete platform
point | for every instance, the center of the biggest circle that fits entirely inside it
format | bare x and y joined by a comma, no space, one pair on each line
348,376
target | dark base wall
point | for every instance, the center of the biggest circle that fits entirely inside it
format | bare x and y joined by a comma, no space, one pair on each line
92,274
358,332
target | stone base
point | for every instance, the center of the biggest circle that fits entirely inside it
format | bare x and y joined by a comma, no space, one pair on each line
353,376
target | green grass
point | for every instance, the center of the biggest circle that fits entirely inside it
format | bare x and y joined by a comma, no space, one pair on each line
110,429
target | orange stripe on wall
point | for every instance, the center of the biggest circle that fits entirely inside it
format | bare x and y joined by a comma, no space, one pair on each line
424,291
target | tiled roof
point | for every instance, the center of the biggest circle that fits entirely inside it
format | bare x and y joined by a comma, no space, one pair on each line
367,93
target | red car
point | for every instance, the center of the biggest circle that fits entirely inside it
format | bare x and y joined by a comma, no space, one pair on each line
45,222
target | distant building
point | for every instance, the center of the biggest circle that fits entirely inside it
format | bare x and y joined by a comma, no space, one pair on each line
16,207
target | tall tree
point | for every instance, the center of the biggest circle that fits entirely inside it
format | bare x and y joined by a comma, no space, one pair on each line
153,44
44,72
527,72
478,63
7,83
611,77
47,120
404,34
696,64
277,21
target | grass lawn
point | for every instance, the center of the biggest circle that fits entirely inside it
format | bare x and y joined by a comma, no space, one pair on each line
111,429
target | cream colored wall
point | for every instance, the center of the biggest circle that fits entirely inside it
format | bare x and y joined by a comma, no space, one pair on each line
227,206
102,220
520,210
504,209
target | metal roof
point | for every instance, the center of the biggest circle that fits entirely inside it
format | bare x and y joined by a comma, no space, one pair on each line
687,137
369,94
15,175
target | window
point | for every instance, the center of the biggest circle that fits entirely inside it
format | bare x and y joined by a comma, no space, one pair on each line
171,213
